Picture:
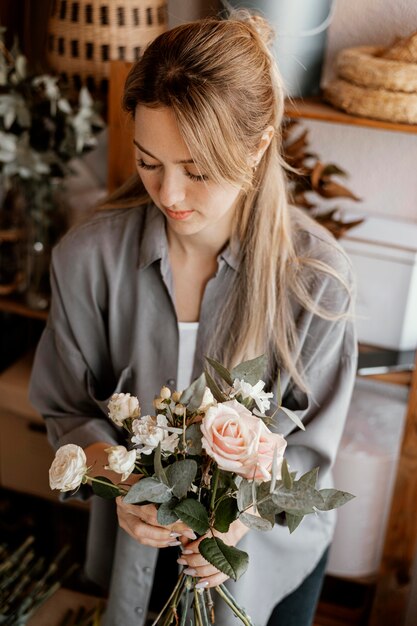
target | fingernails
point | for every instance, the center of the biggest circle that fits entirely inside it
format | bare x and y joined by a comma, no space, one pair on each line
175,534
191,572
182,562
202,584
190,534
186,551
175,543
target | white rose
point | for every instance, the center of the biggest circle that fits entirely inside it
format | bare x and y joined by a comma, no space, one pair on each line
68,468
121,460
149,431
255,392
122,406
207,401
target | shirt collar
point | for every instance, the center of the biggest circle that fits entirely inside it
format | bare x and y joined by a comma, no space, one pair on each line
154,244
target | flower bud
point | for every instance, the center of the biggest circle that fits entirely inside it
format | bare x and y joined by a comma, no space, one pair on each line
176,396
159,404
165,393
179,409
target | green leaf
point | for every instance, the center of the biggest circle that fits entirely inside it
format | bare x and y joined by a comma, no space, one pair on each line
293,416
285,475
301,499
221,370
226,513
251,371
107,491
266,507
310,478
148,490
333,498
193,437
192,397
293,521
166,514
193,513
180,475
227,559
214,388
159,470
255,522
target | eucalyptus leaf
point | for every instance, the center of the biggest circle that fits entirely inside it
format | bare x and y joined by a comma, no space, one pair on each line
310,478
180,475
333,498
293,521
221,370
214,388
166,514
227,559
159,470
148,490
194,514
251,371
255,522
192,397
285,475
109,491
293,417
193,437
301,499
226,513
244,495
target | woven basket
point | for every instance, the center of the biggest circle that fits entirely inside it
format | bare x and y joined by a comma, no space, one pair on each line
84,36
379,104
403,50
363,66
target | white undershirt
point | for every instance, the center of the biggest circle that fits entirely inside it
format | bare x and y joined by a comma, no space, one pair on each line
187,343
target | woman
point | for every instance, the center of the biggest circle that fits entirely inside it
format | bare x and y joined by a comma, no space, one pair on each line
201,254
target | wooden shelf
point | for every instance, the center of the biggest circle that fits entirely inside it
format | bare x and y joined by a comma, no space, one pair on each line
16,305
317,109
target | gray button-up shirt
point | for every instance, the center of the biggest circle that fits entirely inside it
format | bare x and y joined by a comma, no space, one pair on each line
113,328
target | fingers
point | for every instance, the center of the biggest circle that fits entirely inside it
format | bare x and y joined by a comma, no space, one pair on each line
140,522
196,565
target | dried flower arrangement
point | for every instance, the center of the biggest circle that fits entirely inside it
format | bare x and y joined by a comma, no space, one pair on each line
309,174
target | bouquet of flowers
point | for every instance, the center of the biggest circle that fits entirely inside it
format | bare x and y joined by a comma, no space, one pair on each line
206,458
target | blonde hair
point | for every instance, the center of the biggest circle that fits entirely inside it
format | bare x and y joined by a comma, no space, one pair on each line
222,84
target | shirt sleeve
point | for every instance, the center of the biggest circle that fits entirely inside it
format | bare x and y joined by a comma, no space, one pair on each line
62,386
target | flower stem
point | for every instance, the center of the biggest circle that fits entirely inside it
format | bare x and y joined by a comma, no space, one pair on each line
122,491
213,493
228,598
177,588
197,612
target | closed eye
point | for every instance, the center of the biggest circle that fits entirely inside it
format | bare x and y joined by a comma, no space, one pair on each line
198,178
146,166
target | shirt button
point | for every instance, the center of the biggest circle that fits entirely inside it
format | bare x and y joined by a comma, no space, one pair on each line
171,382
147,570
139,610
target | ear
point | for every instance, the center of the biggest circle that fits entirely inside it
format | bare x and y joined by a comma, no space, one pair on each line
266,139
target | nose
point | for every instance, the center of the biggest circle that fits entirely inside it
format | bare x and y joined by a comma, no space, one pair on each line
172,188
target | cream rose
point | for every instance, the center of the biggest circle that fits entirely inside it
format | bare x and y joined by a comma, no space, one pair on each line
239,442
68,468
122,406
121,460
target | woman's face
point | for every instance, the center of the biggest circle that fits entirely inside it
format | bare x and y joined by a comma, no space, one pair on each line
190,201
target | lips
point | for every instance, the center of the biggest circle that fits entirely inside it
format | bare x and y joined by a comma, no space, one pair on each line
178,215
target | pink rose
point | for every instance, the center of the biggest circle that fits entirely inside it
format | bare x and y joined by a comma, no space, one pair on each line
239,442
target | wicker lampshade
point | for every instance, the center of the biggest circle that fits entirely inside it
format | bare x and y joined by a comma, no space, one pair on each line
84,36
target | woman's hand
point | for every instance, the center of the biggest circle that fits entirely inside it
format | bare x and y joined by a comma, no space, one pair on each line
196,565
141,523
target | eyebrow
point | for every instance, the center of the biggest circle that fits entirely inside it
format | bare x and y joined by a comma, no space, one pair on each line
142,149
